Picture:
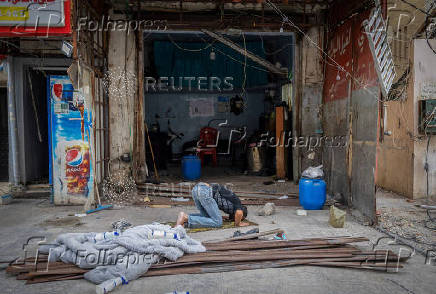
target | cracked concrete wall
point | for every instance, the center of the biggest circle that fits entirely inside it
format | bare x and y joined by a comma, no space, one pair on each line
311,103
121,55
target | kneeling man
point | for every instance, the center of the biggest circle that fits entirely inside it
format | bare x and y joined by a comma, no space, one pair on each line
210,199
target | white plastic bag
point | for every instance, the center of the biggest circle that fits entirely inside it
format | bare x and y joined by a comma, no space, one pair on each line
313,172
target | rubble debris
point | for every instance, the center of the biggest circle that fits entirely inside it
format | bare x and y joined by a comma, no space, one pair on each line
301,212
411,224
337,217
268,209
252,231
121,225
280,236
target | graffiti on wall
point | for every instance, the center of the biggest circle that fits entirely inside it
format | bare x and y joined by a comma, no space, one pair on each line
340,50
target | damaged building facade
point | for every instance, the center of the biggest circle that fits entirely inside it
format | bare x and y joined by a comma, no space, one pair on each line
217,146
159,73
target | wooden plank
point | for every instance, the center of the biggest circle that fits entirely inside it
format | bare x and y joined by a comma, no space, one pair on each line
280,143
173,190
265,63
245,245
166,201
53,279
188,195
241,254
235,266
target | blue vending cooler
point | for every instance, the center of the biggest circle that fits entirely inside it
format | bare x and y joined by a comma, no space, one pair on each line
71,173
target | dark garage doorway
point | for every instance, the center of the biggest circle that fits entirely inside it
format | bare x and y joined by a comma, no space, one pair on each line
4,140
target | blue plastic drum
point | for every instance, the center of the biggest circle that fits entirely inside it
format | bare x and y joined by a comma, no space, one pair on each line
191,167
312,193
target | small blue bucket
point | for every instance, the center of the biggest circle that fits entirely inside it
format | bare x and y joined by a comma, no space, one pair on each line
191,167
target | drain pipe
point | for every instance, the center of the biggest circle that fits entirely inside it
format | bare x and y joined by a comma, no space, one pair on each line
14,175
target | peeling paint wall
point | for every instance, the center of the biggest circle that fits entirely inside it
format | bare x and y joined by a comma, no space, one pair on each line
350,109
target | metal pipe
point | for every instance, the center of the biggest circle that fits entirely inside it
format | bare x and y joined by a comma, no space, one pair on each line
54,68
14,175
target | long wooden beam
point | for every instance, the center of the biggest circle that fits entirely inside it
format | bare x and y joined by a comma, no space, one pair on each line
265,63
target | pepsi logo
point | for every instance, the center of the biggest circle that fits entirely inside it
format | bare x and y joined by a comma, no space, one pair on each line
57,91
74,157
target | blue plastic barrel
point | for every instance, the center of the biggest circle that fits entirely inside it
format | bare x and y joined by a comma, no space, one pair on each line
191,167
312,193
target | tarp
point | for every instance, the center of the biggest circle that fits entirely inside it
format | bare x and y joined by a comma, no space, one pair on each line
174,61
126,256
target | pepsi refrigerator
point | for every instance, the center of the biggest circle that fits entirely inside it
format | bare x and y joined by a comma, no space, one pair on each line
71,174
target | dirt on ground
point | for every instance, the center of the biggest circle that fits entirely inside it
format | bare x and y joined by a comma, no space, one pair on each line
404,218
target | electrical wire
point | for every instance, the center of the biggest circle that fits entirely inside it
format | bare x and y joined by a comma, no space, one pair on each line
426,30
210,45
276,51
287,20
414,6
232,58
190,50
236,60
426,162
431,222
245,70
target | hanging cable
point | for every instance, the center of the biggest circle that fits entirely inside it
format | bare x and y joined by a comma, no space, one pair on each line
287,20
231,57
431,222
276,51
427,37
190,50
414,6
245,70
